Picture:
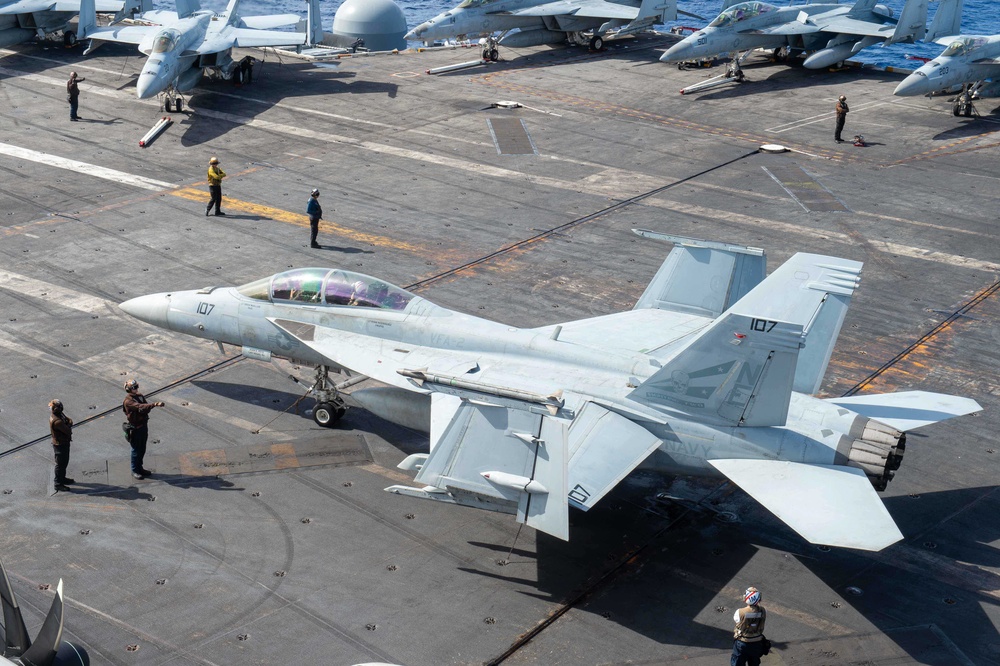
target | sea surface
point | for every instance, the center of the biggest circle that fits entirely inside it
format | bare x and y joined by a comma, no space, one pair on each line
980,17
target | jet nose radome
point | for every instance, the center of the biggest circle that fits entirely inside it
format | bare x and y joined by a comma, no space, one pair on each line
915,84
682,50
151,309
415,34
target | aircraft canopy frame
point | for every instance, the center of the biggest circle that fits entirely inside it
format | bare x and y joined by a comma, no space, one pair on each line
328,287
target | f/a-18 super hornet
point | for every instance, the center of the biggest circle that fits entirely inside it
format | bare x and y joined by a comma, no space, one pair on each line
523,23
831,33
970,63
713,372
25,20
49,648
183,44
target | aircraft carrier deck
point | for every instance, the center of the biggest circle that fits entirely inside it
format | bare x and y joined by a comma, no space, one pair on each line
280,546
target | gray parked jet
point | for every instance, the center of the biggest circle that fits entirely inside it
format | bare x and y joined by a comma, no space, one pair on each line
713,372
533,22
25,20
831,32
970,61
48,648
182,44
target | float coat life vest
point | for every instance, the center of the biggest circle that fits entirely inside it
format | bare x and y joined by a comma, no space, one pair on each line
750,626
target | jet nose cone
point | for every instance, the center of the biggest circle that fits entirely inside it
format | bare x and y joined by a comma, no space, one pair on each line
675,53
913,85
151,309
418,31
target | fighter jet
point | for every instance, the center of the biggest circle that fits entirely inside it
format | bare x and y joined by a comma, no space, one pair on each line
972,62
831,32
182,45
712,373
533,22
49,649
24,20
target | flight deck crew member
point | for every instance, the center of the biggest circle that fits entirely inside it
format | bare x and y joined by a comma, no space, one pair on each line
73,95
315,213
136,427
842,111
61,427
215,176
748,639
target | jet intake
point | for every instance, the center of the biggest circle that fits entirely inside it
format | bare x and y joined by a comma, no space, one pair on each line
878,453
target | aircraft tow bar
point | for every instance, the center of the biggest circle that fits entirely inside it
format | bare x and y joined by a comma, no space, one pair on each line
734,74
157,129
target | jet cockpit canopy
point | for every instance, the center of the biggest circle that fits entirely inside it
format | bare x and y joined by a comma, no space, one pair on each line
166,40
325,286
963,45
741,12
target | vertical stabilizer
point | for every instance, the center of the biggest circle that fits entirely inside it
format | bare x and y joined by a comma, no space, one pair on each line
186,7
947,20
862,8
912,25
87,20
46,645
314,24
664,10
16,639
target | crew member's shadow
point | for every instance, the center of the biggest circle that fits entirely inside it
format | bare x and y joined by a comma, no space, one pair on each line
345,250
94,121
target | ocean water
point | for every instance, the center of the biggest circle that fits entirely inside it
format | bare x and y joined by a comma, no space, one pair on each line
980,17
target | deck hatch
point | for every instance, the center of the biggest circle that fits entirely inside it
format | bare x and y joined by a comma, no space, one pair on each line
510,136
806,190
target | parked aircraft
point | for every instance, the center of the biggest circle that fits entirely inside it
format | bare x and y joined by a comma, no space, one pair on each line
831,32
48,649
182,45
972,62
25,20
712,373
533,22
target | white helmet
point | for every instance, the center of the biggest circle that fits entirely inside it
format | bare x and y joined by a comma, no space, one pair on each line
752,596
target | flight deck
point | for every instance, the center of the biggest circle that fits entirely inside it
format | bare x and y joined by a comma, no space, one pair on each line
510,192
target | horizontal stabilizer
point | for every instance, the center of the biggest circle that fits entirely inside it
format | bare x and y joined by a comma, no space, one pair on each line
604,448
908,410
831,505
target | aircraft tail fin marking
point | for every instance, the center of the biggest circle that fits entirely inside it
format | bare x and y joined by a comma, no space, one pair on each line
912,24
702,277
738,371
947,20
87,19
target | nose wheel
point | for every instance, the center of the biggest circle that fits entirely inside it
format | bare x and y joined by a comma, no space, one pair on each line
172,101
330,407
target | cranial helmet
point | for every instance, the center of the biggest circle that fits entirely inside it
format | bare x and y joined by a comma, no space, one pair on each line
752,596
56,406
131,385
315,192
214,160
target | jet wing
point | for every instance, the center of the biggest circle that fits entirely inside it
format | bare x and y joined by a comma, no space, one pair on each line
580,8
850,26
908,410
267,22
790,28
499,458
832,505
127,34
645,331
247,37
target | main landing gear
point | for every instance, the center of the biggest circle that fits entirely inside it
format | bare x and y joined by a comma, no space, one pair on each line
964,102
330,407
490,50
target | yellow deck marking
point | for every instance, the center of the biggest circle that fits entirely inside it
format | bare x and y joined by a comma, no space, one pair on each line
301,220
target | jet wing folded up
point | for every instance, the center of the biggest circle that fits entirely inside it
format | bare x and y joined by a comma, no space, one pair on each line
580,8
269,21
247,37
832,505
32,6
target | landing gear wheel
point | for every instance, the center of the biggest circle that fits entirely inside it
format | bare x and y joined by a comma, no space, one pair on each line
957,109
596,43
968,110
494,55
69,38
326,414
178,105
